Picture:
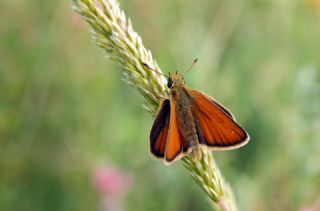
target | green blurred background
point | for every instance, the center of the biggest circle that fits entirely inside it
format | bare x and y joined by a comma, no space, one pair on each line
64,110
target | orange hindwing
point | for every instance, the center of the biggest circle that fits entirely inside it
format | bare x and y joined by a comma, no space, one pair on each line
176,144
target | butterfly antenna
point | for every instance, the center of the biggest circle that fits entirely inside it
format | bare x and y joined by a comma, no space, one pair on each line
191,66
150,68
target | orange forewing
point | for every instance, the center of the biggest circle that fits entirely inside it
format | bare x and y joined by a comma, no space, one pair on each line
176,144
159,130
216,125
166,140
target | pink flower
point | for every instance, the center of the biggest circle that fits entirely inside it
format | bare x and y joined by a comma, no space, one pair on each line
108,180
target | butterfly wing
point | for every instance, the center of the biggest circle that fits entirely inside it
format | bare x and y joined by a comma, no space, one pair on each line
176,145
159,130
216,125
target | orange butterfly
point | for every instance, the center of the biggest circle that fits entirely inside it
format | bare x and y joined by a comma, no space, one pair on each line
189,119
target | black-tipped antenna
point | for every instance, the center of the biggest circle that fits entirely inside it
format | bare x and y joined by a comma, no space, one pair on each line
191,66
150,68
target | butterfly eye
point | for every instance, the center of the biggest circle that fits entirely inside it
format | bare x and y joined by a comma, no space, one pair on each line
170,83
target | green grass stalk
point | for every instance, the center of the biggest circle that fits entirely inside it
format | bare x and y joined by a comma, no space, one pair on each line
114,33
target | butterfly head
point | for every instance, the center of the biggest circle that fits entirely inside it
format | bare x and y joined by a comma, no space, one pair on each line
175,80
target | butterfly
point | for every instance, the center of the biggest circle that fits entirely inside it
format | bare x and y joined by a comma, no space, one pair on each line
189,119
